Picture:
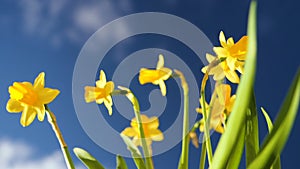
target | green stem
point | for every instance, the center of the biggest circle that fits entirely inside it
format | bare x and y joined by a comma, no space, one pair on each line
185,137
203,155
136,108
206,130
62,143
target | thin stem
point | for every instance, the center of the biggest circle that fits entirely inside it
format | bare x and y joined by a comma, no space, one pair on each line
185,131
206,126
64,148
136,108
203,155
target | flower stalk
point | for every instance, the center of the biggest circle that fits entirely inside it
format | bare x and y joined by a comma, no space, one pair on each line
185,137
64,148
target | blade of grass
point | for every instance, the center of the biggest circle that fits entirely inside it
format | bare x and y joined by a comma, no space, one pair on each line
234,126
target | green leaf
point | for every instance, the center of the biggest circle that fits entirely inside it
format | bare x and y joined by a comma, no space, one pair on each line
135,152
237,117
121,163
276,140
277,162
251,137
87,159
236,155
268,119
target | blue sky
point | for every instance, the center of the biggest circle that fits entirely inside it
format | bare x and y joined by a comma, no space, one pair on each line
40,36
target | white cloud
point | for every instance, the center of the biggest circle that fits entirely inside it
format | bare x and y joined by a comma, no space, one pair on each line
19,155
45,18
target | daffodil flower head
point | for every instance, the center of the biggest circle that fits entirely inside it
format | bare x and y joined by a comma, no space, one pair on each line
220,108
30,99
235,53
101,93
150,127
220,69
157,76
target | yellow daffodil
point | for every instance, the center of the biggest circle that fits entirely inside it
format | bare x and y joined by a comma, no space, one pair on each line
230,57
101,93
30,99
235,53
220,70
220,108
151,131
156,77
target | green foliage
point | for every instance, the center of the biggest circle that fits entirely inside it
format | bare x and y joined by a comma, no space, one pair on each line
121,163
87,159
226,145
275,141
135,152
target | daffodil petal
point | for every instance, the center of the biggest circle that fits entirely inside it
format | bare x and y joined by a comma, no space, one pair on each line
232,76
153,123
102,80
129,131
47,95
40,112
14,106
231,63
89,95
222,39
39,81
161,62
27,116
163,88
210,58
156,135
230,42
108,104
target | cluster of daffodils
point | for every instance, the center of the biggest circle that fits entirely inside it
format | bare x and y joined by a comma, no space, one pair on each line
32,99
233,116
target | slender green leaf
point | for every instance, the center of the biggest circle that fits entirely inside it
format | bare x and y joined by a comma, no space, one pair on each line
277,163
121,163
87,159
237,117
276,140
268,119
135,152
236,155
251,136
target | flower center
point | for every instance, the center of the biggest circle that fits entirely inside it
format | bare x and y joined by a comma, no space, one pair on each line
100,93
22,93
